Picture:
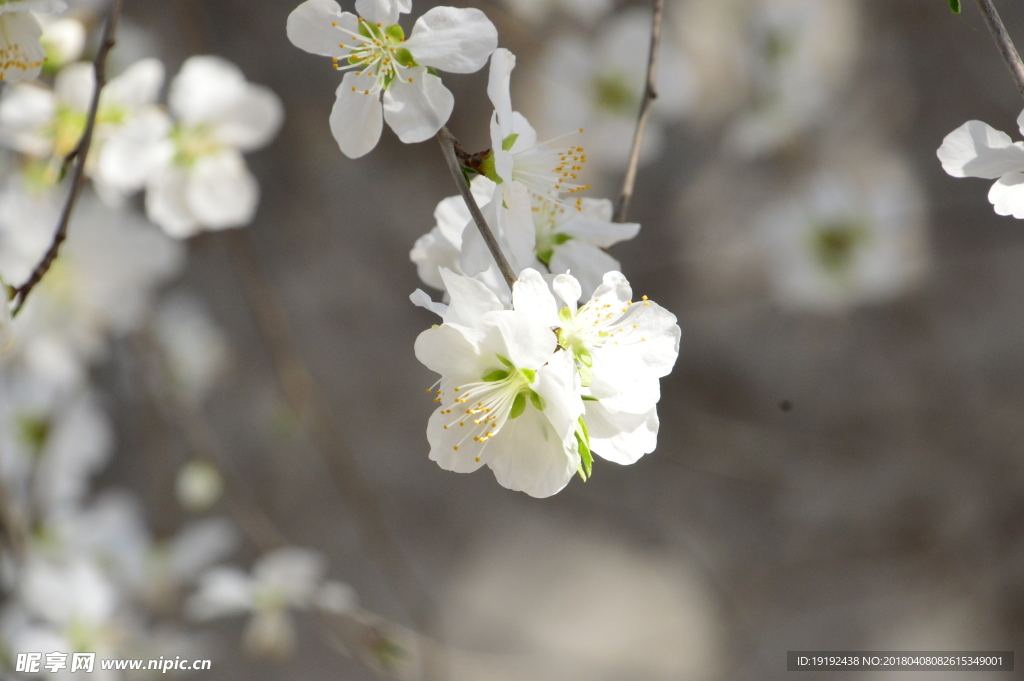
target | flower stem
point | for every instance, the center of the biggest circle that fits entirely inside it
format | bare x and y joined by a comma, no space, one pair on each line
448,144
1003,42
650,94
80,153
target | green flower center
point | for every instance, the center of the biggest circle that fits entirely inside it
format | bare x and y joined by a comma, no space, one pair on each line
835,244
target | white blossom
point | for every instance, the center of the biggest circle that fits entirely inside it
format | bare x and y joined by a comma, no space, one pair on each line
442,245
194,348
391,78
63,40
21,54
976,149
849,236
198,486
282,580
507,398
598,84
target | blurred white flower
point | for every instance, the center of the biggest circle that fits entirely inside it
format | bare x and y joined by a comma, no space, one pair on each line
598,84
194,348
282,580
199,486
381,61
508,397
852,235
101,283
47,125
63,40
21,54
192,168
976,149
537,11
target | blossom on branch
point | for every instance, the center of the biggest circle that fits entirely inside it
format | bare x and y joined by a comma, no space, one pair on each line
389,77
976,149
21,53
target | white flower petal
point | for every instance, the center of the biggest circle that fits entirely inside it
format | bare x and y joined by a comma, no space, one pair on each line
293,573
19,43
135,151
529,456
383,11
419,298
252,121
222,591
453,39
558,384
601,233
443,442
587,262
221,192
311,27
74,85
470,299
621,437
204,89
166,204
976,149
357,119
1007,195
26,110
531,295
498,90
518,337
136,86
447,351
417,110
431,252
568,289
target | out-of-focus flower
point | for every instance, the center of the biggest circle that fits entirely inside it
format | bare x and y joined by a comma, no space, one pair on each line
508,397
847,237
194,348
47,125
976,149
282,580
21,54
793,58
198,486
63,40
598,85
381,61
537,11
102,282
193,169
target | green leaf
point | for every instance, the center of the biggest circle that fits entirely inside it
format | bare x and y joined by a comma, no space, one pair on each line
530,374
537,401
395,31
955,6
488,170
504,360
559,239
565,316
404,57
586,466
518,406
432,71
496,375
509,141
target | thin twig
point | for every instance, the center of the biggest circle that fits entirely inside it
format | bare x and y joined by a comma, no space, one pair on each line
80,153
303,396
1003,42
650,94
448,144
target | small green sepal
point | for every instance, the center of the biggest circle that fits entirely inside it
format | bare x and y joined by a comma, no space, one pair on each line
509,142
395,31
496,375
954,5
518,406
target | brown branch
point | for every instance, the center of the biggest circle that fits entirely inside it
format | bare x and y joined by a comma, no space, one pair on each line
650,94
450,147
80,153
1003,42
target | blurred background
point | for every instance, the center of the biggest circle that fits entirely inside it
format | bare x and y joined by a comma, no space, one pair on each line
839,462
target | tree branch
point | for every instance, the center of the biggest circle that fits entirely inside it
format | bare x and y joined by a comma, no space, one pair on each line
1003,42
80,153
448,146
650,94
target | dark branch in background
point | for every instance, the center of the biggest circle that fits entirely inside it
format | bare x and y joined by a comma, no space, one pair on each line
650,94
303,396
79,154
448,146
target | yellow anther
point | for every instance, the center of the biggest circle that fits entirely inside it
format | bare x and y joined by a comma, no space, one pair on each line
456,448
643,297
353,89
446,427
477,459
